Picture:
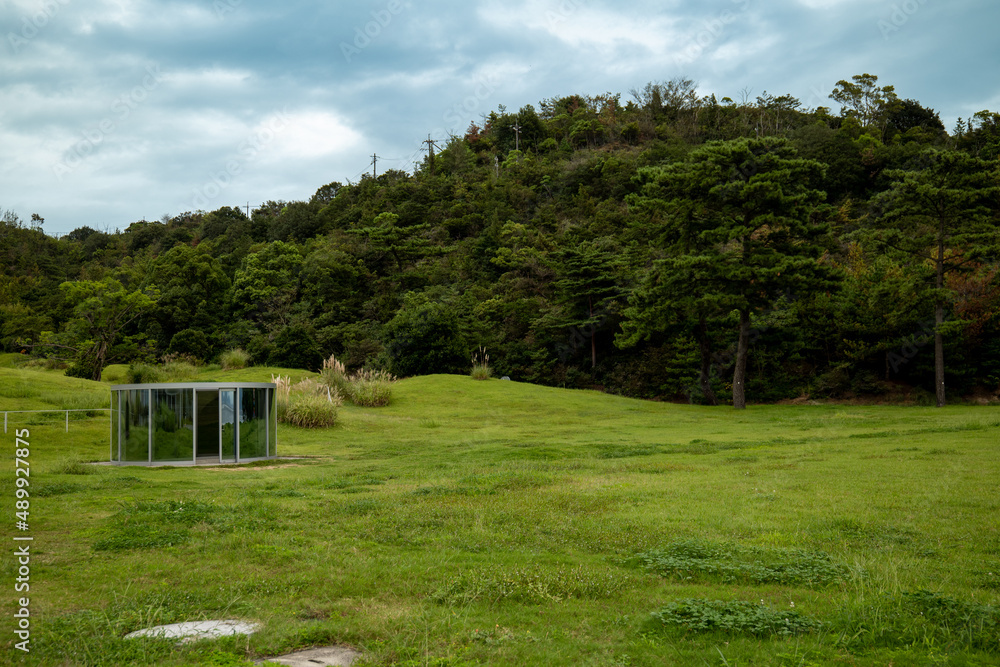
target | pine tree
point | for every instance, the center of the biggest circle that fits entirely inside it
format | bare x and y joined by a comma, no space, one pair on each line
743,225
941,214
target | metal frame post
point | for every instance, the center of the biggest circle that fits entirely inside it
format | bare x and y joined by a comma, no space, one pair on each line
149,423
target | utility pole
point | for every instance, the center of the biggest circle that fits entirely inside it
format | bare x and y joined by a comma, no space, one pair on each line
517,137
248,209
374,165
430,152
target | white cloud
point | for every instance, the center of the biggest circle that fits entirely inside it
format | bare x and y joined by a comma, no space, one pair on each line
224,77
143,15
214,79
307,134
826,4
579,26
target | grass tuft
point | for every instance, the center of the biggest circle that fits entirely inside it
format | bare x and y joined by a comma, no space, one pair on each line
56,489
481,365
141,373
75,467
530,585
371,389
307,404
365,388
234,359
920,618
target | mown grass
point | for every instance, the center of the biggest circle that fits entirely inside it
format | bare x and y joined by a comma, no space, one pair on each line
499,523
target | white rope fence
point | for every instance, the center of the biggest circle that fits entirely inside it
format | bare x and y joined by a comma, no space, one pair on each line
6,412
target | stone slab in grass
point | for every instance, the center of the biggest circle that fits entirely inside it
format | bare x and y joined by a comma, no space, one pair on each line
195,630
325,656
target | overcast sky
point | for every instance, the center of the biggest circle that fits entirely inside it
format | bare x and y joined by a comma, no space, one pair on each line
113,111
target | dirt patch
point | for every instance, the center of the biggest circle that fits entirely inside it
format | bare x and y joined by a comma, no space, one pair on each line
239,468
285,462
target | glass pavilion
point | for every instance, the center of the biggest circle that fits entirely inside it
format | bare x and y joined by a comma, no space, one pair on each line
187,423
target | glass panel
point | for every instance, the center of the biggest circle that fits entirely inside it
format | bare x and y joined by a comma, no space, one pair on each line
208,423
115,423
135,424
272,427
227,417
253,427
173,425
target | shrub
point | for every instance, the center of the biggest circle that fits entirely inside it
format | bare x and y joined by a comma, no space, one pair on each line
282,396
370,389
234,359
425,337
365,388
334,375
141,373
82,369
308,404
481,365
295,347
179,371
310,411
190,342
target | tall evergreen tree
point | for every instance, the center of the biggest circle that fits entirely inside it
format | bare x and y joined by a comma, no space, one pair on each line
941,214
745,226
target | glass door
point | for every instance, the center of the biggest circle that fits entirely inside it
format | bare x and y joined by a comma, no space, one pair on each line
208,424
227,425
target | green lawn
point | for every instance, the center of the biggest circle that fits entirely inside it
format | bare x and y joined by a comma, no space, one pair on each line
500,523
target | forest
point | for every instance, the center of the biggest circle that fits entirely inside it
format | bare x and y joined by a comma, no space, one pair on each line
667,245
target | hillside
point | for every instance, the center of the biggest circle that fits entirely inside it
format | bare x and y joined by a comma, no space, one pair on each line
671,245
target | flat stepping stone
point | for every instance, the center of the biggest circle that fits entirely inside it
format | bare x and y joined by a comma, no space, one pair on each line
325,656
195,630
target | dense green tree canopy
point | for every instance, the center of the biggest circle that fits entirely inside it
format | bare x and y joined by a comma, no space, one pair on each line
671,244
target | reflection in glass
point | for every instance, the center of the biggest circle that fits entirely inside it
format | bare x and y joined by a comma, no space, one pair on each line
135,429
227,418
178,423
173,425
272,423
115,426
253,428
208,424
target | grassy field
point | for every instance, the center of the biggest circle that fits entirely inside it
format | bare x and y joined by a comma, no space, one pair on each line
500,523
